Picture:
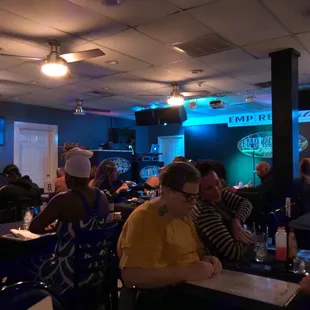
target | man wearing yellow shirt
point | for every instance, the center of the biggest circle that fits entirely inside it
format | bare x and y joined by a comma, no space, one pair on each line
158,245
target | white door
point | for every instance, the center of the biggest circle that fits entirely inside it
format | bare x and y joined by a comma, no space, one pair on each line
34,155
171,146
35,151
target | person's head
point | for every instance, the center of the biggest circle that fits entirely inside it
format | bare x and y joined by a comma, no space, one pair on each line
305,167
219,168
210,184
179,188
11,173
106,172
179,159
262,169
77,168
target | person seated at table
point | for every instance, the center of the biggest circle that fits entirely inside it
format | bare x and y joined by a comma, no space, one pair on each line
106,180
80,208
92,172
300,192
60,182
158,245
220,170
219,215
18,187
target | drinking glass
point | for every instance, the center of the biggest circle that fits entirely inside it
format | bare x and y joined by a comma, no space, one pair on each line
260,248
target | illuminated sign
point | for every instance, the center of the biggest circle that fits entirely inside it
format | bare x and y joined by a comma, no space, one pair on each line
260,144
149,171
122,164
264,118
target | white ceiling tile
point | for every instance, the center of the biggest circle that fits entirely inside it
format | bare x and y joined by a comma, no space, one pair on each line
7,62
32,33
256,78
175,29
304,64
194,86
293,14
304,38
228,84
125,63
155,74
137,45
304,78
183,68
14,47
133,12
186,4
65,16
262,50
124,84
240,21
90,70
6,75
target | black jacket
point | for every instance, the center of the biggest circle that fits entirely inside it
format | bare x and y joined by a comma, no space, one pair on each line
22,188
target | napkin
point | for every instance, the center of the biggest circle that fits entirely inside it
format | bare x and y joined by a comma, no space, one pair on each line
25,234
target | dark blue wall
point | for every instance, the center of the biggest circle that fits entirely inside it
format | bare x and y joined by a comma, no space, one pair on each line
89,130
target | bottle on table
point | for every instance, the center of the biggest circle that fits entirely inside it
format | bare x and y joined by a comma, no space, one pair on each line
27,219
288,207
240,184
292,245
281,244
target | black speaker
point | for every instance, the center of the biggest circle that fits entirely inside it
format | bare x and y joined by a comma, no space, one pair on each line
146,118
172,115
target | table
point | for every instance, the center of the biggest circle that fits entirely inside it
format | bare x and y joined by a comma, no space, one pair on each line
243,291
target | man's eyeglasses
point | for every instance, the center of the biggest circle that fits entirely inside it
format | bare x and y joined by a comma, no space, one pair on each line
190,197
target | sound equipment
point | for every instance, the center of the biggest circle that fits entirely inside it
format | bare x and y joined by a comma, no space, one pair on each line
160,116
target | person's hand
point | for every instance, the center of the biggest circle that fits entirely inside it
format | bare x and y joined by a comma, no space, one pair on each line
215,262
304,285
199,271
230,189
239,233
124,187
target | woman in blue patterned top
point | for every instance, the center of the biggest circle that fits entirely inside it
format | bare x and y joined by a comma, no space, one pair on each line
80,208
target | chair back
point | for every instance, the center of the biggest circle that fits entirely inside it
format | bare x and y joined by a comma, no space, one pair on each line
24,295
94,251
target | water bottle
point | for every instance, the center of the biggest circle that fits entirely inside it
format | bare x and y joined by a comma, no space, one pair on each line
27,219
281,244
240,185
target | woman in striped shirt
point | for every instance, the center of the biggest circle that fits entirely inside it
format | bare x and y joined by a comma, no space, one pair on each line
218,217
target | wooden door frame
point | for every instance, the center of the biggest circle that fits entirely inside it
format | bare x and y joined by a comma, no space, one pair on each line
53,143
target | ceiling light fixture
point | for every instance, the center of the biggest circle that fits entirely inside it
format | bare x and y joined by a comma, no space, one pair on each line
176,98
79,107
112,62
54,65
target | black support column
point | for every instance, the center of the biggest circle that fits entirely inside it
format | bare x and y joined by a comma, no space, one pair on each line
284,78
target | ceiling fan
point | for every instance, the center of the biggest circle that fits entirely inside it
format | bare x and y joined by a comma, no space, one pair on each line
79,110
55,64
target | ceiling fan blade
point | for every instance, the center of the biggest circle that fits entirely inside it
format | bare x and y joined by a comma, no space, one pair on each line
83,55
195,93
23,57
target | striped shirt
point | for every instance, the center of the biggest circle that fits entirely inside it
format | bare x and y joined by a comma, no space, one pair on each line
212,224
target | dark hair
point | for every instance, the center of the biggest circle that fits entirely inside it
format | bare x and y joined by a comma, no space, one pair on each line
219,168
179,159
104,172
177,174
305,166
204,167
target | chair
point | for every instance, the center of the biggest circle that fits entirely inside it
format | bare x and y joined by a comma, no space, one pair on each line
24,295
95,252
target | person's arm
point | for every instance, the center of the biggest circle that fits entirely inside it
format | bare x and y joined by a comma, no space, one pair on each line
210,224
241,206
140,251
48,216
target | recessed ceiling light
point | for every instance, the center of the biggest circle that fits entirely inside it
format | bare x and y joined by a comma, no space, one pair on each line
112,62
196,71
34,82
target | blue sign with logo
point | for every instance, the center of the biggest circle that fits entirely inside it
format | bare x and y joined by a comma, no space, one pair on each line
149,171
122,164
260,144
